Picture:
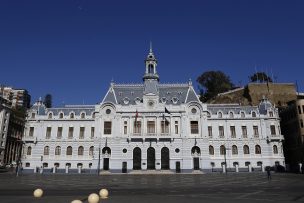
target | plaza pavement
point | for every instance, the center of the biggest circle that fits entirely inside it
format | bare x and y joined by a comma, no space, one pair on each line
153,187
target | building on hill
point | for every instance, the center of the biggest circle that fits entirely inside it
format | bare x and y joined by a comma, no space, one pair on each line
278,93
152,126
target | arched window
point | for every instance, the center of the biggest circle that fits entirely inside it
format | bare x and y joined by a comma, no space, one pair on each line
82,115
211,150
91,151
275,149
242,115
61,115
29,151
69,150
253,114
93,115
150,68
222,150
234,149
231,115
80,150
72,115
257,149
46,150
50,115
57,150
220,115
246,149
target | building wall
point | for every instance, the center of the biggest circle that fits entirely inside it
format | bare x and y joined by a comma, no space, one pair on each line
292,127
180,144
4,122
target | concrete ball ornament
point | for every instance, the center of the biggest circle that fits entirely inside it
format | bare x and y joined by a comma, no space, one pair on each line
93,198
76,201
38,193
103,193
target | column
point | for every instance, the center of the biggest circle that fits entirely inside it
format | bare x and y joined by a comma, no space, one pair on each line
249,168
236,168
66,169
263,168
79,168
224,168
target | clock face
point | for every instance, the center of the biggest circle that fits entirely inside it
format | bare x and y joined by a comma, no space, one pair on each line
150,103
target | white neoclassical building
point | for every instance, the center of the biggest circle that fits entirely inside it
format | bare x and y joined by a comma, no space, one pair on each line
152,126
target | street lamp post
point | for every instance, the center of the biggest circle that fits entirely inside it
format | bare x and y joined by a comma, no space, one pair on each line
225,151
225,161
98,167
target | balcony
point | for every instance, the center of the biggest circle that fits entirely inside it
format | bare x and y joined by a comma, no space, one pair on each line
147,137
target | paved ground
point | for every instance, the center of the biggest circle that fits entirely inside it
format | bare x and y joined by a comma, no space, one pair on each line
135,188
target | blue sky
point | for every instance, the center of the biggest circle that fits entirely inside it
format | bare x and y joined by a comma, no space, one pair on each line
73,48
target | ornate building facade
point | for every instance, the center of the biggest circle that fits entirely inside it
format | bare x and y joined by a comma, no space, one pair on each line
152,126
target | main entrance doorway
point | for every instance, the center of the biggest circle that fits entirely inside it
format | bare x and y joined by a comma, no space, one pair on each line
196,163
165,159
151,158
106,154
136,158
106,164
196,153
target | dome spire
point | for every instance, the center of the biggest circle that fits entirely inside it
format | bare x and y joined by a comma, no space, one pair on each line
151,64
151,51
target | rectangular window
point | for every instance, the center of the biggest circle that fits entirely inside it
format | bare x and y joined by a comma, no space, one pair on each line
107,128
71,131
137,127
255,131
232,131
151,126
81,133
31,133
164,126
244,131
299,109
301,123
194,127
272,130
210,131
92,132
59,132
125,127
221,131
48,132
176,127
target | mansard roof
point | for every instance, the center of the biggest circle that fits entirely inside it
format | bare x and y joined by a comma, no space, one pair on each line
67,109
235,108
128,94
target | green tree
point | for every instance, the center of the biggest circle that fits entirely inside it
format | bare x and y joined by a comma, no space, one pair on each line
48,101
212,83
260,77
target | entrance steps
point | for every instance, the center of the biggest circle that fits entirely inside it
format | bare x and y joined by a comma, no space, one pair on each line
151,172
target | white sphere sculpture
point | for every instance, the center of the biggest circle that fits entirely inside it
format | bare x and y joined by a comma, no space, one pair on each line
76,201
93,198
38,193
103,193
